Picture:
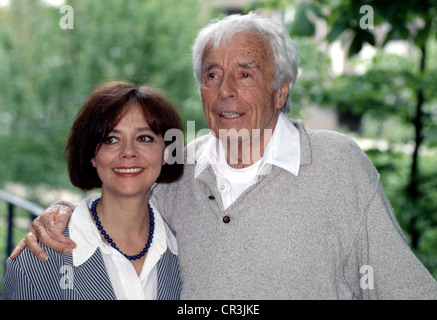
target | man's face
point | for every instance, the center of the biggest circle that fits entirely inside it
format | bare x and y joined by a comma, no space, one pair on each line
237,88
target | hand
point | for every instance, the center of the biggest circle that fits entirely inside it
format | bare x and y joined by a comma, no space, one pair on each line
47,228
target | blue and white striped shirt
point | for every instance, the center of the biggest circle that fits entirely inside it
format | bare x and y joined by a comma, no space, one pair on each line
59,278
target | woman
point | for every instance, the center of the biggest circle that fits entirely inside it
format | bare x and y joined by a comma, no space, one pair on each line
124,248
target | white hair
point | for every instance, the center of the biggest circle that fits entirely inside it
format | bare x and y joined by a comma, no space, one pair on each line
285,53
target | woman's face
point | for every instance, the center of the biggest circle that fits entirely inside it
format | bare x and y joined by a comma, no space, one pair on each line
131,157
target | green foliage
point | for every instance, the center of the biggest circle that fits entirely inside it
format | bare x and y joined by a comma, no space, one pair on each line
302,24
47,72
386,89
314,75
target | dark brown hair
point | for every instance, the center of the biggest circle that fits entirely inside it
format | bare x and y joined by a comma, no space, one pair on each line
101,113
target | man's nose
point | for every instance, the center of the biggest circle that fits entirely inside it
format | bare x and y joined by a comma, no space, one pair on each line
227,87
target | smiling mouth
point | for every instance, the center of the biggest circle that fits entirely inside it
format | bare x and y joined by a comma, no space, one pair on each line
230,115
130,170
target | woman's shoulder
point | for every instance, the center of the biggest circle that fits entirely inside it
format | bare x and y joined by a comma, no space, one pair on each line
32,266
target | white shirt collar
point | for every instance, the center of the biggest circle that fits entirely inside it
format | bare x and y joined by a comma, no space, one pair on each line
84,232
283,149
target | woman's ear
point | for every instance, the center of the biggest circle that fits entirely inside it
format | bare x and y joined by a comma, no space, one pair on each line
93,162
165,157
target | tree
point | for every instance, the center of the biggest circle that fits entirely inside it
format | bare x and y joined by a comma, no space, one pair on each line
48,71
412,20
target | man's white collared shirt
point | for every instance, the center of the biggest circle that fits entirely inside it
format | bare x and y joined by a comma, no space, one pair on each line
282,150
126,283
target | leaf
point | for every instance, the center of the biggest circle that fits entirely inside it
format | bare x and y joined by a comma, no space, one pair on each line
367,36
422,34
316,11
355,46
431,138
337,29
360,37
302,25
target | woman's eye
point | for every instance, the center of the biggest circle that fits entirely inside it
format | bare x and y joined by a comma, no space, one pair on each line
212,75
145,138
110,140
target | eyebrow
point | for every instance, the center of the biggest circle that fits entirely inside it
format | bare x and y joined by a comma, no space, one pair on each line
246,65
140,129
209,65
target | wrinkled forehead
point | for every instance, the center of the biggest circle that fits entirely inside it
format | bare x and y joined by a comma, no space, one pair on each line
251,46
239,39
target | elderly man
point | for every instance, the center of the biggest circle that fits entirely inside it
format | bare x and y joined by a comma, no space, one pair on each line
267,209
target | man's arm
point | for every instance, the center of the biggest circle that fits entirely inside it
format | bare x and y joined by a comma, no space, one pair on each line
388,268
48,229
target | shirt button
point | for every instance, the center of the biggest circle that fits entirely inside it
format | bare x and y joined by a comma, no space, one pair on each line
226,219
223,187
211,197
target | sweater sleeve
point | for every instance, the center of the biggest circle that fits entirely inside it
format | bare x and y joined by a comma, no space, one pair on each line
162,197
72,206
381,265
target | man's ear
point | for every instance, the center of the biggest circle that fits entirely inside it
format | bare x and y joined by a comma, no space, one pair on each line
282,95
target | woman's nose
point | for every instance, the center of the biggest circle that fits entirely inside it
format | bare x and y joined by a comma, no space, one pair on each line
128,150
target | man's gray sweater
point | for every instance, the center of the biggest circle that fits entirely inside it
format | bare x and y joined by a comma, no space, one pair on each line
328,233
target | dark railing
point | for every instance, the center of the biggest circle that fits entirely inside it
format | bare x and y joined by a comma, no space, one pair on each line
13,202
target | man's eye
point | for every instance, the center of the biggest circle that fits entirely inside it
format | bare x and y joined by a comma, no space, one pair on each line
212,75
245,75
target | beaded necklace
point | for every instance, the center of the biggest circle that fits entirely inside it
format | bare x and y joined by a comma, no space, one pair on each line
112,243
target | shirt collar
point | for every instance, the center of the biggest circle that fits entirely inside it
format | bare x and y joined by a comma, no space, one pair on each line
84,232
208,154
282,150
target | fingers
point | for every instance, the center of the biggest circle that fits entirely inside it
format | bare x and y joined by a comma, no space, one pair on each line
48,229
31,242
62,218
19,247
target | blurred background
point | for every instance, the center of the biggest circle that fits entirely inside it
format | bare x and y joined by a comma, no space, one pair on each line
368,69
